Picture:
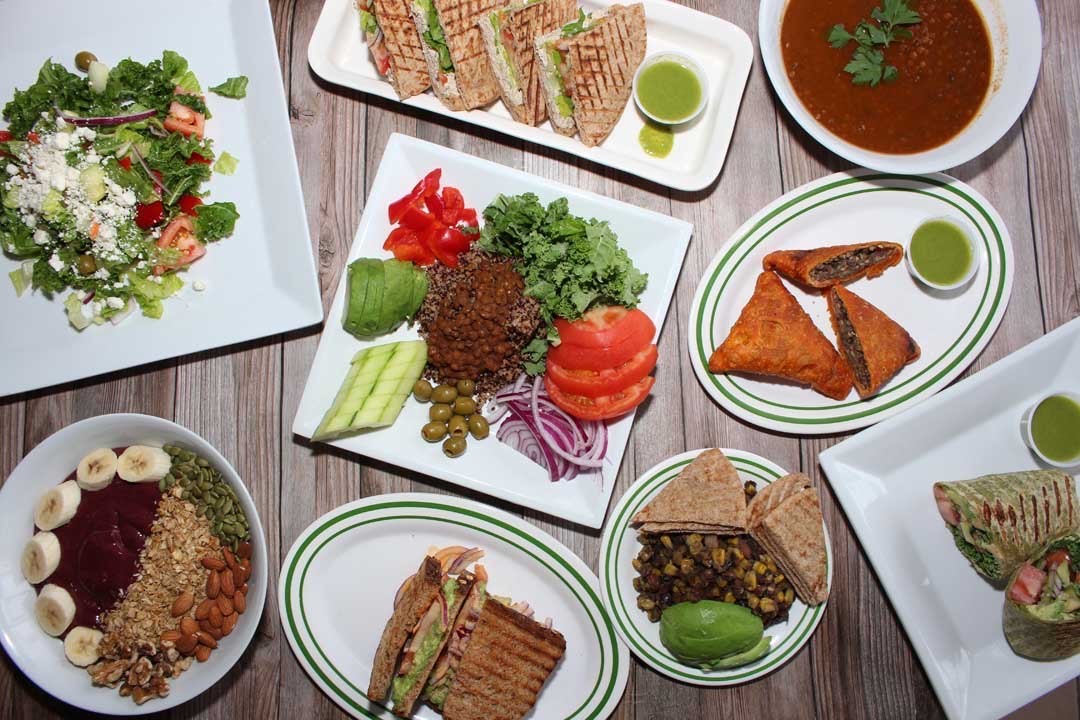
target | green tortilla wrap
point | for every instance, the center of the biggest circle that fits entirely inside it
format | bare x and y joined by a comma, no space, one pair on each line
1000,521
1049,628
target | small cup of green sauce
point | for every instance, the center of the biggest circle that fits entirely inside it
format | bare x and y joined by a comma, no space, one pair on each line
942,253
1051,428
670,88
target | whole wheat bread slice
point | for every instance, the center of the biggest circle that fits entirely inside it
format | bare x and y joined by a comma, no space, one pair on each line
414,603
504,667
475,82
776,492
408,71
792,534
708,493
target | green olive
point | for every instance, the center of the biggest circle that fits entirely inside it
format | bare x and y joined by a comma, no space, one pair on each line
83,60
421,390
440,412
478,426
458,426
464,406
454,446
434,431
86,264
466,387
444,394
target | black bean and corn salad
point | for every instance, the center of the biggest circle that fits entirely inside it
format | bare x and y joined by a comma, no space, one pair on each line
688,567
211,494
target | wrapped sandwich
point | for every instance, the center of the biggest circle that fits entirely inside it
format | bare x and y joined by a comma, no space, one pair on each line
999,522
1041,617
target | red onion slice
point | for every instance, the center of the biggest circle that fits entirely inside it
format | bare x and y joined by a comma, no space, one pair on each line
105,120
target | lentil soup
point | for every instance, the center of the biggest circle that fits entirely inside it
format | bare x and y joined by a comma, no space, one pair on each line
944,76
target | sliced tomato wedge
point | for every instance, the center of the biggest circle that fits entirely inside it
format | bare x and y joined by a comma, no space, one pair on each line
468,218
180,235
33,137
195,158
1056,558
124,162
606,326
597,383
605,406
453,204
5,135
396,236
189,204
1028,585
416,219
184,120
147,215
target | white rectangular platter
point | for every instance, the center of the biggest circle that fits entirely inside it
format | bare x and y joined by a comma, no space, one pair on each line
261,281
337,53
656,243
884,477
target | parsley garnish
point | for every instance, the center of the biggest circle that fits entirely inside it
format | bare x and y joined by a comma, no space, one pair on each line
867,65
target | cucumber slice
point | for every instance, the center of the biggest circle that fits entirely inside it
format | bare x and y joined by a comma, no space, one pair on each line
92,179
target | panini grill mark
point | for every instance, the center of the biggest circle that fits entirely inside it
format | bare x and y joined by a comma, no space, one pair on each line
476,82
404,44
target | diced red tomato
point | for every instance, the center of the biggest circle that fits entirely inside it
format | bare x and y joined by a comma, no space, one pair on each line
429,184
605,406
434,203
5,135
607,326
147,215
398,207
430,219
453,204
447,243
1028,585
189,204
416,219
33,137
184,120
124,162
195,157
596,383
384,64
180,235
1056,558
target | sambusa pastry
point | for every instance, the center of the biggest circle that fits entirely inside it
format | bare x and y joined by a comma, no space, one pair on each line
509,36
390,34
707,496
587,68
839,264
1000,521
1041,616
788,524
454,50
774,337
504,666
874,345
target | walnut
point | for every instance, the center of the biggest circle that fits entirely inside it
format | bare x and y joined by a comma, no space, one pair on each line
140,672
125,690
141,695
108,672
172,654
159,686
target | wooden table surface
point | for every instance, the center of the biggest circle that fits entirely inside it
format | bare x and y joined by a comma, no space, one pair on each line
242,399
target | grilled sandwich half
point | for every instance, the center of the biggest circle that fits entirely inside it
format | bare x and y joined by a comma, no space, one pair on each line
454,50
395,45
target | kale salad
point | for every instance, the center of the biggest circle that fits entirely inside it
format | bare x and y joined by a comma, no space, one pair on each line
102,175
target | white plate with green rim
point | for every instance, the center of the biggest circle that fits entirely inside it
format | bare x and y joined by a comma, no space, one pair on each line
951,328
619,547
338,582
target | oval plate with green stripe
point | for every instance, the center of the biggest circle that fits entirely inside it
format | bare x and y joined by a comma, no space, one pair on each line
337,587
620,546
950,328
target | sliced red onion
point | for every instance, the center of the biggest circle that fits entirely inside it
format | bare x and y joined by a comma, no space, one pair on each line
464,560
445,610
401,590
162,190
104,120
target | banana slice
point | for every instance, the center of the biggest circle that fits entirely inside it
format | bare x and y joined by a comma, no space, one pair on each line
142,463
40,557
81,645
96,469
54,609
58,505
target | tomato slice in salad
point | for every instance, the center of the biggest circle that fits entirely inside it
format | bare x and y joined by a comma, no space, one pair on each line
605,406
124,162
416,219
189,204
1028,585
596,383
184,120
5,135
195,158
179,235
453,204
147,215
607,326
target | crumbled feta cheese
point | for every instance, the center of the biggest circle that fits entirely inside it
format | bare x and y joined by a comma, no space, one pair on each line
61,123
59,180
115,303
56,263
61,140
41,237
11,169
198,285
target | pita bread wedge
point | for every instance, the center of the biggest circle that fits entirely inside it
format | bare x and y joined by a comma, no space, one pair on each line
776,492
838,264
792,534
509,34
875,346
454,50
775,337
707,496
395,45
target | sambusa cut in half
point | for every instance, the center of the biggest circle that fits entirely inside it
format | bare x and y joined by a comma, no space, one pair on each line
390,34
774,337
875,346
835,265
454,50
509,34
587,69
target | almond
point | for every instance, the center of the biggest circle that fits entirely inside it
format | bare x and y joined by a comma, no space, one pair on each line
186,644
182,604
170,636
202,653
227,585
243,550
238,576
216,632
246,564
239,602
189,626
203,611
215,617
230,559
241,589
206,639
213,585
205,626
213,563
225,605
229,623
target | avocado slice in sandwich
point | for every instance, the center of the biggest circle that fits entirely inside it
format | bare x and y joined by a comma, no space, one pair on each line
442,675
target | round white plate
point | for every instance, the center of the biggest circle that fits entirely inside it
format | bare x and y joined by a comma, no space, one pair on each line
338,582
1016,39
40,656
619,547
951,328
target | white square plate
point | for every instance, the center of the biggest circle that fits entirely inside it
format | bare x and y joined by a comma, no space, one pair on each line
261,281
337,52
656,243
884,478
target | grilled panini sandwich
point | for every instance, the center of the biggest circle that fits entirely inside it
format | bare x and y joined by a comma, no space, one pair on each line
442,676
395,45
453,49
587,69
504,667
509,35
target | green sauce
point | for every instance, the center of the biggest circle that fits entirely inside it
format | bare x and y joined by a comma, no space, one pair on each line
669,91
656,140
1055,428
941,252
